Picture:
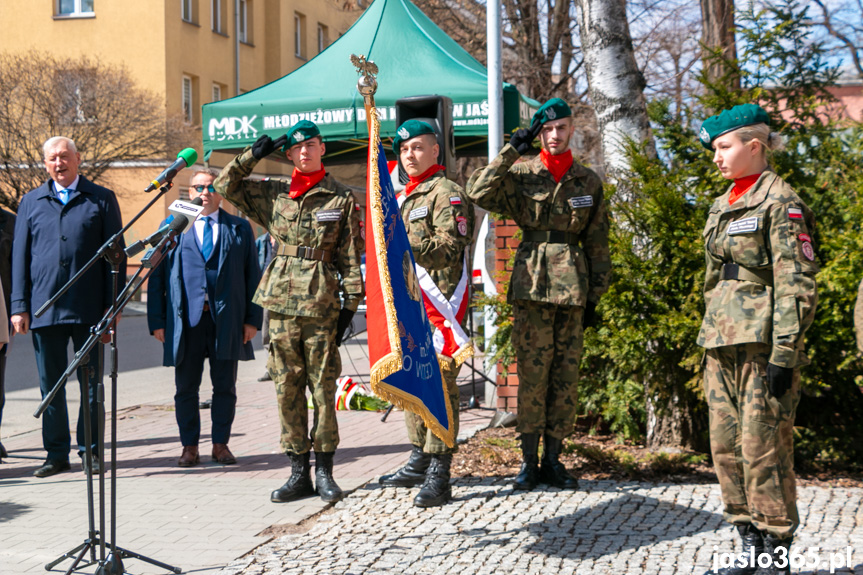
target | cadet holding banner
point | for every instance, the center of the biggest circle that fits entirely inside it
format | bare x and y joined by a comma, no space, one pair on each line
760,295
317,228
439,222
562,267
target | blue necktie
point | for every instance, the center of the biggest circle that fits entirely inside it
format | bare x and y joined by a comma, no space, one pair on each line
63,196
207,244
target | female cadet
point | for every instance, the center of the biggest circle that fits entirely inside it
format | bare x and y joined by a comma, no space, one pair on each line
760,297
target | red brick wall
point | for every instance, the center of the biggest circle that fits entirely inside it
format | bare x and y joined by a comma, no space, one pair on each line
505,244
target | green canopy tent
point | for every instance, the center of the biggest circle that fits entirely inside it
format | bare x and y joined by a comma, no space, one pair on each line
414,57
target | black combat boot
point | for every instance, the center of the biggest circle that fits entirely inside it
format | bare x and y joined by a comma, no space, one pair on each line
551,470
528,475
780,551
325,485
299,485
436,489
412,474
753,546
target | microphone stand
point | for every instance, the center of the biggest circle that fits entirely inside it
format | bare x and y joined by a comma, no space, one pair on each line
112,252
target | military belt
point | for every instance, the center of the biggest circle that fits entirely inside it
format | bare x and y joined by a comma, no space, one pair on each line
551,237
740,273
304,252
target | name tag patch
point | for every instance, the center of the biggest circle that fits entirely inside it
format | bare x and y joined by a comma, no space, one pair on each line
328,215
455,200
795,214
581,202
418,213
744,226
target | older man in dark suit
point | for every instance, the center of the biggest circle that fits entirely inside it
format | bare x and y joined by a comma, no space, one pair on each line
60,226
199,305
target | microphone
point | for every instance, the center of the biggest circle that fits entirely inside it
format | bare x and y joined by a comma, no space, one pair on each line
176,223
185,158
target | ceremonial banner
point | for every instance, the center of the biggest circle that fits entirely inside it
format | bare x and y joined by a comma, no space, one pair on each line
404,366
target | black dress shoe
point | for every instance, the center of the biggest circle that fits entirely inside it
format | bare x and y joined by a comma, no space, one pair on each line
52,467
3,452
85,464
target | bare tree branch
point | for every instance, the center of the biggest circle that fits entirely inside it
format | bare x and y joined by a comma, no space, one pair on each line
97,105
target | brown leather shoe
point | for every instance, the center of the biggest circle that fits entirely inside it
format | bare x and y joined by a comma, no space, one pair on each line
190,456
223,455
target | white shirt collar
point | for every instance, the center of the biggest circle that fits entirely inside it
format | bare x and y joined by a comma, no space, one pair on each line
214,216
72,187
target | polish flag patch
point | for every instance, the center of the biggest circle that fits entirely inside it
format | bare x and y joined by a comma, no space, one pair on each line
795,214
455,200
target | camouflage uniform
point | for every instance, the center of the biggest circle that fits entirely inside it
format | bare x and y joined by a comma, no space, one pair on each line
562,263
756,314
302,294
439,221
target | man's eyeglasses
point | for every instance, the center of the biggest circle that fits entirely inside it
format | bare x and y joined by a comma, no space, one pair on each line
201,189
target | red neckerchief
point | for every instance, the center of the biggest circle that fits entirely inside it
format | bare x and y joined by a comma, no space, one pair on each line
302,182
741,186
415,181
558,165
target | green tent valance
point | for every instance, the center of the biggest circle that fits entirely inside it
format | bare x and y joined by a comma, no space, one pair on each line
414,57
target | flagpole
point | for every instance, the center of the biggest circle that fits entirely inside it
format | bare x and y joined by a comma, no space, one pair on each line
366,85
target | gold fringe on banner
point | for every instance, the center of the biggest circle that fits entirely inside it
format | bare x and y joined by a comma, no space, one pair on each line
393,361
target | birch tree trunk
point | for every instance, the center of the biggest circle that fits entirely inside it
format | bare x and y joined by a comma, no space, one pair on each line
616,83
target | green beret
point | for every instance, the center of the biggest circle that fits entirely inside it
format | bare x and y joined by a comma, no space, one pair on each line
300,132
554,109
729,120
409,130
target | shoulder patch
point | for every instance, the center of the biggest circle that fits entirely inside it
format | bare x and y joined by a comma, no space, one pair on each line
808,251
455,200
795,213
461,223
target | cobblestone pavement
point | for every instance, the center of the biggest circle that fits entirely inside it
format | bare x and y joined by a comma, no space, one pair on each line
606,527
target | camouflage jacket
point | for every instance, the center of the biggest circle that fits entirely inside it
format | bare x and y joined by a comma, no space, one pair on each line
560,273
324,218
439,221
768,232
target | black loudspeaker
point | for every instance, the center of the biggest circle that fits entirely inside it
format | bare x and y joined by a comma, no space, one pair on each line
437,112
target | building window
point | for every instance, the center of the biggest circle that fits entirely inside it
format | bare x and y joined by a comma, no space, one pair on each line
75,8
218,16
245,28
323,37
188,100
188,9
299,35
217,93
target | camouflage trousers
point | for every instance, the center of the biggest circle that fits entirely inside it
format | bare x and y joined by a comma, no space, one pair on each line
751,438
303,354
420,436
548,341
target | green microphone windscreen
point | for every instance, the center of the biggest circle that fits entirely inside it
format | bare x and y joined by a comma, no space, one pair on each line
189,155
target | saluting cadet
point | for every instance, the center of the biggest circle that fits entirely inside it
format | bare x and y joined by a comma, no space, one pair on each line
561,269
760,296
439,221
316,225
